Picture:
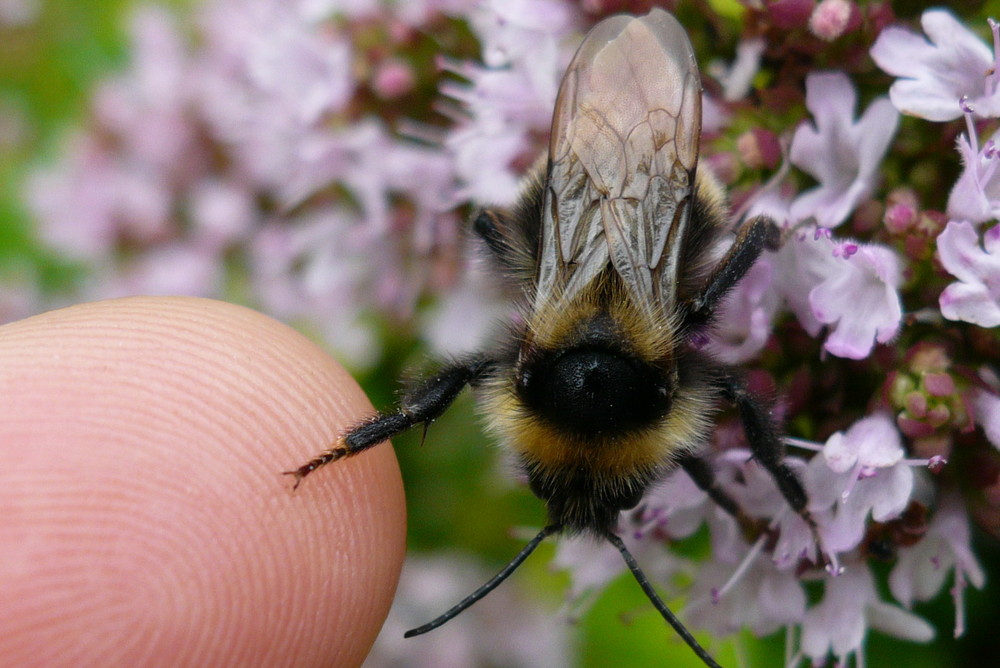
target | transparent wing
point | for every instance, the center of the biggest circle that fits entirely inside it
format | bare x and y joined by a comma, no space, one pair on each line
622,160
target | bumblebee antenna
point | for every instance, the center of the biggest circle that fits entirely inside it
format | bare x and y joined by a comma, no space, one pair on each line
490,585
658,603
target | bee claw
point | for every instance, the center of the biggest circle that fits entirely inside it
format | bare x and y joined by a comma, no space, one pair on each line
313,464
827,559
299,475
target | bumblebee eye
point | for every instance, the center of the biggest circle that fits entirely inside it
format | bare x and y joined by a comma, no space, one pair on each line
594,391
486,224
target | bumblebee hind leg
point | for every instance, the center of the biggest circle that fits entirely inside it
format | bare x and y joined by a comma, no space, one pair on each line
769,451
765,443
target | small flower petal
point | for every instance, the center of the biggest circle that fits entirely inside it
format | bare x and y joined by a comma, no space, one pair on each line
986,407
860,301
839,623
946,548
842,153
936,72
873,441
975,297
975,197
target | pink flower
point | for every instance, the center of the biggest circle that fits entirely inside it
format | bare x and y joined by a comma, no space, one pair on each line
869,475
316,267
850,606
222,213
676,506
392,79
848,287
986,408
921,569
168,269
976,194
871,443
935,72
802,262
591,564
860,302
842,153
319,10
755,491
413,13
153,93
975,297
763,600
507,628
19,13
463,318
514,30
103,191
509,98
266,80
91,200
737,79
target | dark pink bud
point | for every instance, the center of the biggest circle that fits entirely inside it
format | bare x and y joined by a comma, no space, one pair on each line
832,18
790,14
916,404
939,384
914,428
900,217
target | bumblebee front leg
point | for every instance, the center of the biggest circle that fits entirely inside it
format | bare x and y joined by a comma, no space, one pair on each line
421,405
754,236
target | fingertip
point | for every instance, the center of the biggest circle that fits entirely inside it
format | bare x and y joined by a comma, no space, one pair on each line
146,440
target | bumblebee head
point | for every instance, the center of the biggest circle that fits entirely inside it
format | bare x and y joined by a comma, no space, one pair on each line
594,391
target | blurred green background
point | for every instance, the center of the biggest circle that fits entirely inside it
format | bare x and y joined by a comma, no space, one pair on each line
455,497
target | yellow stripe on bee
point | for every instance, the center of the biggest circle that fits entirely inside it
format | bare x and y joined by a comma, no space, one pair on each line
685,426
648,335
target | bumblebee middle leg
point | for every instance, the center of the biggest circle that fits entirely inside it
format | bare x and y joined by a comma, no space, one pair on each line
704,477
421,405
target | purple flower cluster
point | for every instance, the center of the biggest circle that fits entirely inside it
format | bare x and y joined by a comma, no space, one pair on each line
507,628
258,148
313,158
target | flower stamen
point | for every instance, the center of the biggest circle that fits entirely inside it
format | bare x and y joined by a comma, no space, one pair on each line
991,76
755,549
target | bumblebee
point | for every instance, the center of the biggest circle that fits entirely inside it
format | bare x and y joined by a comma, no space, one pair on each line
601,386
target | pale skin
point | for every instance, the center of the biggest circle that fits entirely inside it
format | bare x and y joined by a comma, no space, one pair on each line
144,519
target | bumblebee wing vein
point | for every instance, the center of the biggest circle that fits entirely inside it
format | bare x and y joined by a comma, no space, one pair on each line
622,157
627,249
573,246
